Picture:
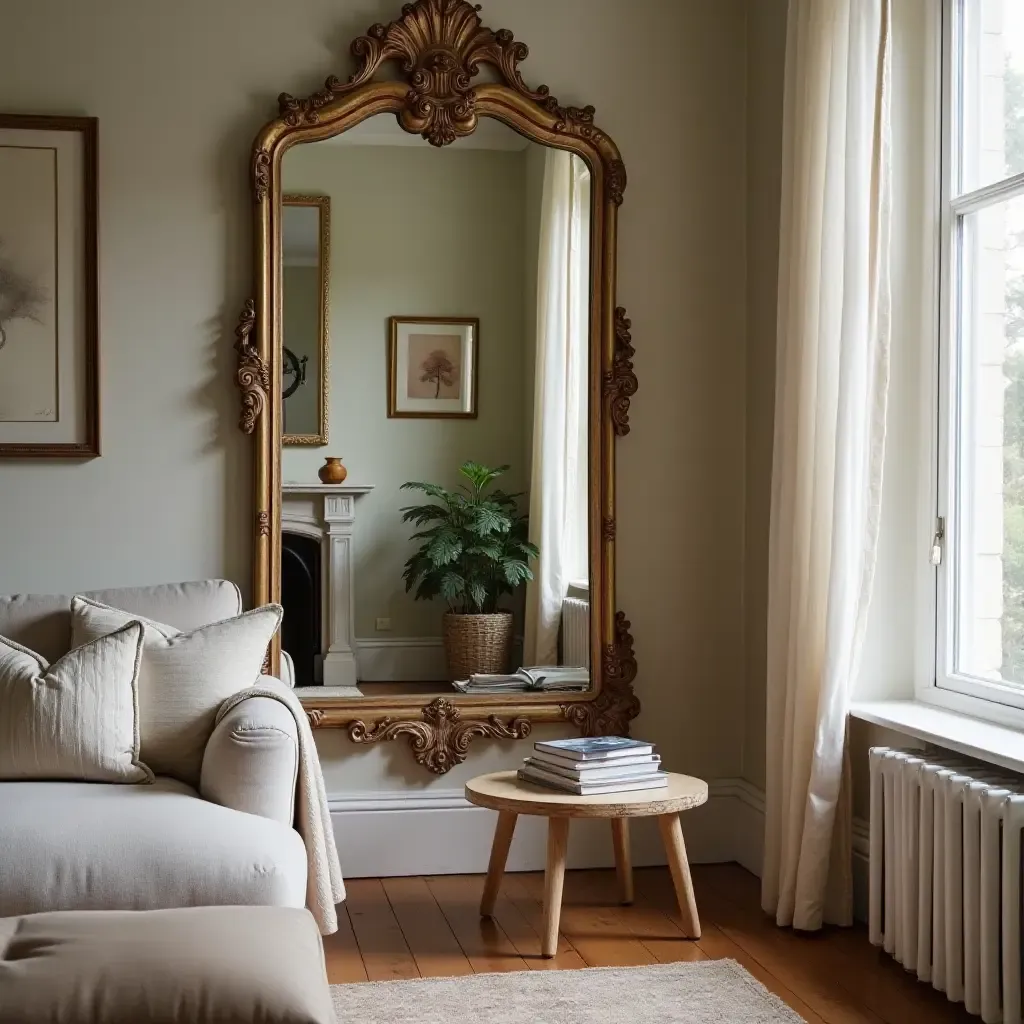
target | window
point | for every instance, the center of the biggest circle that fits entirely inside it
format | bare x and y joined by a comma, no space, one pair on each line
980,523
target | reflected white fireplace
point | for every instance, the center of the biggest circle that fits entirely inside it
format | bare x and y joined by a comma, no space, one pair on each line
327,512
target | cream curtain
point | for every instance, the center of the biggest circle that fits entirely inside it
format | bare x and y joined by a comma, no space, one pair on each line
558,502
830,402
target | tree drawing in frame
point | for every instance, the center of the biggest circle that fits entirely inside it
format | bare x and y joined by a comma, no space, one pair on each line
21,298
434,366
437,367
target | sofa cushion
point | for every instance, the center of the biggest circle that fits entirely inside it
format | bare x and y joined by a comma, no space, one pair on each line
185,677
200,965
42,622
76,718
96,846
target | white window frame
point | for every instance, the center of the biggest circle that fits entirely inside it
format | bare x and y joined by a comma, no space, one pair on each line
938,683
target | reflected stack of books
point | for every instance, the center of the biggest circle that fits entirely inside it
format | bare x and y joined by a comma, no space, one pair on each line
594,765
539,678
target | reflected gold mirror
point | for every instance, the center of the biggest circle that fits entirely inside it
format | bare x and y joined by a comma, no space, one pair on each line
305,284
446,562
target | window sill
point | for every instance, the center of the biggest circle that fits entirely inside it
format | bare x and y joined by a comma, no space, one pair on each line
985,741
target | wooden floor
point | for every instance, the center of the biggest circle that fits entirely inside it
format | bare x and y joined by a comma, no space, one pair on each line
395,928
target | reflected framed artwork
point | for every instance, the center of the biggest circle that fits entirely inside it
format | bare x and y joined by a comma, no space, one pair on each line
432,367
49,373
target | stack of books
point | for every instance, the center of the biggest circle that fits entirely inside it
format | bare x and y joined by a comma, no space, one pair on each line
594,765
539,678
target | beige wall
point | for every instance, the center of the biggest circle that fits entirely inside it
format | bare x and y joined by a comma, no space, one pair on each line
180,91
766,46
416,231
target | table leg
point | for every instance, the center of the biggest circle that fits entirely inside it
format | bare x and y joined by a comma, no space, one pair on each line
623,859
554,876
672,836
499,854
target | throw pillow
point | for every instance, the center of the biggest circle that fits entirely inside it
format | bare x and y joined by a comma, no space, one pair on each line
77,718
184,678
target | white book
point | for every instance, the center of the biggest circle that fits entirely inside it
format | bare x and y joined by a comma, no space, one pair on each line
595,748
657,780
600,773
574,764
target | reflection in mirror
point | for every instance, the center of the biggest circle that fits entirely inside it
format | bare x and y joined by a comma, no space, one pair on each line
305,269
447,552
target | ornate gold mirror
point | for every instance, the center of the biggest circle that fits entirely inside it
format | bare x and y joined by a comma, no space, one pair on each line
459,581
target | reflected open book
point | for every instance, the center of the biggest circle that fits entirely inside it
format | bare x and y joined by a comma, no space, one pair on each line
539,679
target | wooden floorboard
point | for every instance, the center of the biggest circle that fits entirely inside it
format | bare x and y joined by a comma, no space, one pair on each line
428,927
483,940
386,955
431,941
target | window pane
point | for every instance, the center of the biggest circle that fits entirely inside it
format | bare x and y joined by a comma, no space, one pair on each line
992,91
989,635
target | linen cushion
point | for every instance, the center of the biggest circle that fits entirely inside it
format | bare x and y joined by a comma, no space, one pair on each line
90,846
199,965
184,677
76,718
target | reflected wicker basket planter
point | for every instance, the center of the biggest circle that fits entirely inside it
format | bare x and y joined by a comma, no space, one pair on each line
477,643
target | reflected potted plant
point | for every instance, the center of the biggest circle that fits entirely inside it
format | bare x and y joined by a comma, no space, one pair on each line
474,549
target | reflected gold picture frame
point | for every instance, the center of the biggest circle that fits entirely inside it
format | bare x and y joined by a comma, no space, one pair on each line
399,406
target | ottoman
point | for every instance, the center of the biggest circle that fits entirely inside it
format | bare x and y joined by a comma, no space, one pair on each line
195,965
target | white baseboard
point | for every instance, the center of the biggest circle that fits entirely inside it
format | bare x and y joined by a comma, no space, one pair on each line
438,832
400,659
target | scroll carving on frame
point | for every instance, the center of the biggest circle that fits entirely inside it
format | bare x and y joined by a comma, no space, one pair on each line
253,375
435,89
441,739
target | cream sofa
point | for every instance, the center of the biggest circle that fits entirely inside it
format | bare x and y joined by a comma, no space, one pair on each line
95,846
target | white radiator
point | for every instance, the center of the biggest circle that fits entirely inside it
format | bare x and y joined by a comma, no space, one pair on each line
945,876
576,632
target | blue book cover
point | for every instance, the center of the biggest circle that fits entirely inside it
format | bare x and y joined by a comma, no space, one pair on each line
587,748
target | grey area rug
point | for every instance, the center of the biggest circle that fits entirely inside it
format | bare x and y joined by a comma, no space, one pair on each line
704,992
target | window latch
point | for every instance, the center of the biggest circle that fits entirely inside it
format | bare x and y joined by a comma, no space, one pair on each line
938,540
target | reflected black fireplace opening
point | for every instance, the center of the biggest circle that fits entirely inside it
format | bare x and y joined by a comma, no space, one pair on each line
301,629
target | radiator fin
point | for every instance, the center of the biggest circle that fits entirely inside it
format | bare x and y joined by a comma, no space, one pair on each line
576,632
945,876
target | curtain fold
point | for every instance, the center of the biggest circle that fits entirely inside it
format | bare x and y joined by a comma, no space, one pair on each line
558,504
832,373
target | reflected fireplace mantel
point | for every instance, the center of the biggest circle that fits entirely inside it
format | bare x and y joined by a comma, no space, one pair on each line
328,512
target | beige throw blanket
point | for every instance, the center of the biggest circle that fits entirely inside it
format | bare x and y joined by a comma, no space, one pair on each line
324,885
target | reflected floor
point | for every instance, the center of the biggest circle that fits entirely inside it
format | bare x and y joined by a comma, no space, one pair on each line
441,688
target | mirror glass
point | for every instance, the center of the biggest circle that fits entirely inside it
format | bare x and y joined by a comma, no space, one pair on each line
305,279
440,538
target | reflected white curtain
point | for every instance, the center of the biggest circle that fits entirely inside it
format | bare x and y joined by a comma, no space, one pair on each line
831,387
558,484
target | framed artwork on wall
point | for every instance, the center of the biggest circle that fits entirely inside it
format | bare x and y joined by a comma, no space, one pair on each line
49,326
432,367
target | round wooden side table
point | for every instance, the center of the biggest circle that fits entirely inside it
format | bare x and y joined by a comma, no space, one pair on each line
510,797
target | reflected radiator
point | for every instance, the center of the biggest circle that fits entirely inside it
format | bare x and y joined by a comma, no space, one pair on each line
576,632
945,876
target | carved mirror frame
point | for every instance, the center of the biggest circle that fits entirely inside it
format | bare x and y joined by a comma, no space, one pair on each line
439,46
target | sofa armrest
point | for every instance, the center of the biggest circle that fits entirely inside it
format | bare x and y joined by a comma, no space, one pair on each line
251,761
